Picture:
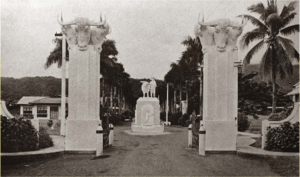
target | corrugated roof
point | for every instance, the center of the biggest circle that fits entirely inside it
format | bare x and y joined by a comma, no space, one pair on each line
48,101
26,99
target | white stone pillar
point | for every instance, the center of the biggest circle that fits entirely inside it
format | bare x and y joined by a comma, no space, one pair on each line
84,95
22,110
34,112
48,112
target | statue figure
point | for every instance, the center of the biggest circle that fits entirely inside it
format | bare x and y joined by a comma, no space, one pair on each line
225,32
145,88
81,34
152,87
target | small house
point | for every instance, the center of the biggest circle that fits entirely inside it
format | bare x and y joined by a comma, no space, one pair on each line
37,107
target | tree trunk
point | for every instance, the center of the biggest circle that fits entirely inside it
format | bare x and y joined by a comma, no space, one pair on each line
103,103
114,99
111,97
175,100
187,97
180,98
119,101
274,82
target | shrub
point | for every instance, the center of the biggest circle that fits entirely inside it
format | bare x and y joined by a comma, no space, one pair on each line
114,118
44,139
283,138
163,116
243,122
50,123
18,135
128,114
281,116
184,120
174,118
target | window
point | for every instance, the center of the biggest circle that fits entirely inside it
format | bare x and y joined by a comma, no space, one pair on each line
41,111
27,112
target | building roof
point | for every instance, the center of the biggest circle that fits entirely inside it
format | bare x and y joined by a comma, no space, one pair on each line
294,92
26,99
48,100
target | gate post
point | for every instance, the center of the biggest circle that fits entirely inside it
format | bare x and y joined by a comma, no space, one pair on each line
190,136
99,134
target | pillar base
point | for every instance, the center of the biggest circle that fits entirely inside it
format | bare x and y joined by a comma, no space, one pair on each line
141,128
220,135
81,135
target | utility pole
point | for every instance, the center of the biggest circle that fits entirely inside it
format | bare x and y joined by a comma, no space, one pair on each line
63,86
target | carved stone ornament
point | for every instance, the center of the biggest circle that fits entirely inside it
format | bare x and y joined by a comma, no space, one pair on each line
222,33
79,32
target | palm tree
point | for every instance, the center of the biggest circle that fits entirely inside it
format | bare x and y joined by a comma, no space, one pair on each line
271,27
107,56
190,61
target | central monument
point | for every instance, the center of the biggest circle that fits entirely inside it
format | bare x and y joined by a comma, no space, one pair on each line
147,113
85,46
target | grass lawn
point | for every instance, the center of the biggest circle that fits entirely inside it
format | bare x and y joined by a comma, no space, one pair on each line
255,126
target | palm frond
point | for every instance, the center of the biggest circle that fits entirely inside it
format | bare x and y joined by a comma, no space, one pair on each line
288,19
287,45
266,64
296,54
188,41
259,9
286,10
289,30
254,50
250,36
255,22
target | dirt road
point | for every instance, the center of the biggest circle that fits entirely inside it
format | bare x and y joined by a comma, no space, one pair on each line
161,155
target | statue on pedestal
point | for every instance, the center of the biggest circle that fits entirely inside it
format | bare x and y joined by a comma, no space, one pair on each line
149,87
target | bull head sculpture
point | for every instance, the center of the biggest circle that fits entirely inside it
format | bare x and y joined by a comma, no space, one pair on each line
98,35
80,34
205,33
225,32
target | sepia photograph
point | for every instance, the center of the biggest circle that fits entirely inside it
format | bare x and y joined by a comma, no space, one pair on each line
149,87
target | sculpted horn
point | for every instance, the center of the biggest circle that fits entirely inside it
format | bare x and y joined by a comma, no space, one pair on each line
200,18
102,22
244,22
60,21
109,30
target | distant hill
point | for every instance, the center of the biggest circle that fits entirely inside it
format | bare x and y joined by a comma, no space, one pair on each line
12,90
285,84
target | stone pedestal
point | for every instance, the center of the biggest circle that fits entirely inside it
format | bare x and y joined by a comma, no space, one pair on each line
147,116
83,100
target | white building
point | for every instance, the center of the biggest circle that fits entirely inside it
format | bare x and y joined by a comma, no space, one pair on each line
39,107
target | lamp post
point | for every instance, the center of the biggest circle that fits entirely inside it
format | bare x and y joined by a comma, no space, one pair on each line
63,86
201,89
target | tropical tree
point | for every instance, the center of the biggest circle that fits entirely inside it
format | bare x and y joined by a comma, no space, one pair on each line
271,27
190,62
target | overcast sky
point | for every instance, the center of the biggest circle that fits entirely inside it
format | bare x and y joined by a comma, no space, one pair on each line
148,33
